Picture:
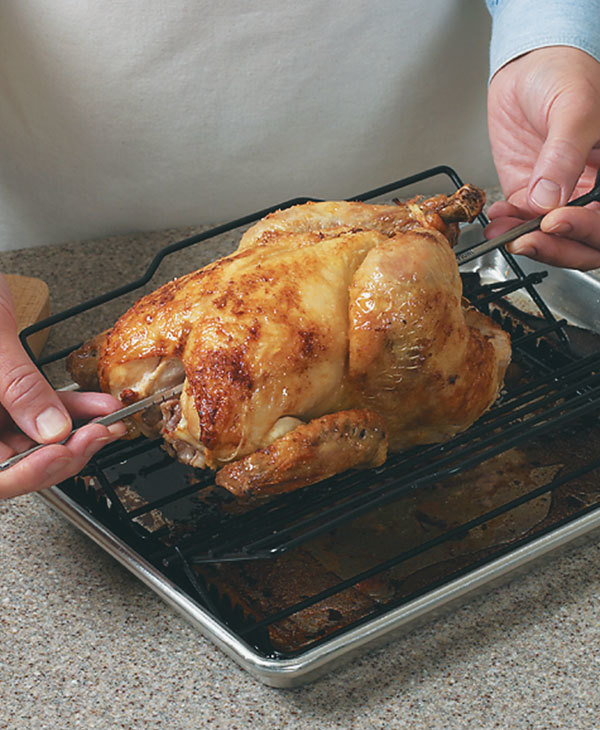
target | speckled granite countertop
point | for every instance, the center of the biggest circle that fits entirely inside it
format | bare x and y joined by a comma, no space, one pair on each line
85,644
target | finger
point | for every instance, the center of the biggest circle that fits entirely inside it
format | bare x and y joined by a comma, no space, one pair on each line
81,406
56,462
89,439
556,251
5,419
504,209
84,406
578,224
573,131
14,443
24,392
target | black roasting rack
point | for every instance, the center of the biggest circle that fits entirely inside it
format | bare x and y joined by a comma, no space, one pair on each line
181,523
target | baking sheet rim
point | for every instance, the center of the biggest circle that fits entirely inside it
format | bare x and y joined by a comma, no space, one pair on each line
313,663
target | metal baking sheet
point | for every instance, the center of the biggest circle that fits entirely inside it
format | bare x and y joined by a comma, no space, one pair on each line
572,295
316,662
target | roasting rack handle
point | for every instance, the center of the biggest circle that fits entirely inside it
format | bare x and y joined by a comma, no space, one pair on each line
489,245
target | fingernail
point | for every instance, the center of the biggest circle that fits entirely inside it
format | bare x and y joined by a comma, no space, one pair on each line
51,423
562,228
521,249
546,194
117,429
96,445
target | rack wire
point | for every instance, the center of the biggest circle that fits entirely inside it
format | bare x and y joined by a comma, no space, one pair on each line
186,526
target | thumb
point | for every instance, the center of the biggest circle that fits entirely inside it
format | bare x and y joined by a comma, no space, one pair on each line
573,131
24,392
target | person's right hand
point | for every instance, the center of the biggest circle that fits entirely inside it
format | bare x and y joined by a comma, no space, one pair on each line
32,412
544,125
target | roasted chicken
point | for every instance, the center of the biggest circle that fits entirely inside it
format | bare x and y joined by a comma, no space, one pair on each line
335,333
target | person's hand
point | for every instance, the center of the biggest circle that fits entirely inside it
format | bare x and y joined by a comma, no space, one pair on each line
544,125
31,412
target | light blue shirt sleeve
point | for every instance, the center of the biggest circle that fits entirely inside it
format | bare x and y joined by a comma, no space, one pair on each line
519,26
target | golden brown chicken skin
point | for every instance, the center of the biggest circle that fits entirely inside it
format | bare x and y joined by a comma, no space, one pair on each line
336,331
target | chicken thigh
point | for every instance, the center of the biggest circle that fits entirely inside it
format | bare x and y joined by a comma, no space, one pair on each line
336,332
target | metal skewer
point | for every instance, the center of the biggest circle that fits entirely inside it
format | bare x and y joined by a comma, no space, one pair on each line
485,246
152,400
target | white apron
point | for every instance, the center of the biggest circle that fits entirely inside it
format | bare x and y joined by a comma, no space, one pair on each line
145,114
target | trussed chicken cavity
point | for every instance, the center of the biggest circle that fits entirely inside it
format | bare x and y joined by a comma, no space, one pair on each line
171,421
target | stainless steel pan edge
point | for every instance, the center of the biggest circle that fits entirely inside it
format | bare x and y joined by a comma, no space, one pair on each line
312,664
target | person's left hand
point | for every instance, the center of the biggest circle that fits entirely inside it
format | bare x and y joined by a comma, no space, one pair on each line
32,413
544,125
